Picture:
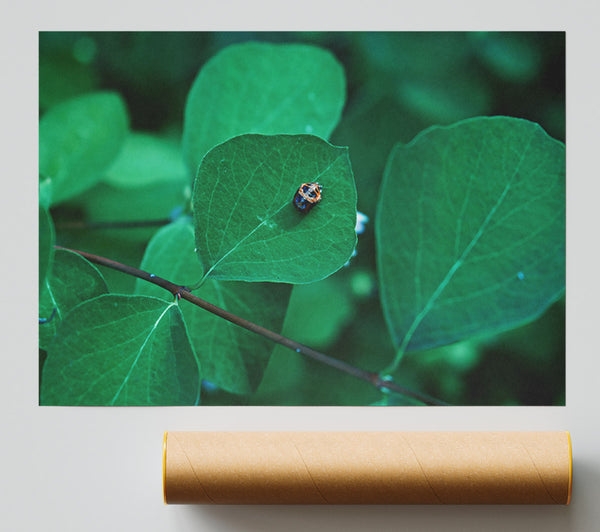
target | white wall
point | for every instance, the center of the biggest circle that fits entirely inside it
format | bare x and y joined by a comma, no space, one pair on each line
99,469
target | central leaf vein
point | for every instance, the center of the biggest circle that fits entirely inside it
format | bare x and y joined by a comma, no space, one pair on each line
440,288
140,351
240,242
458,263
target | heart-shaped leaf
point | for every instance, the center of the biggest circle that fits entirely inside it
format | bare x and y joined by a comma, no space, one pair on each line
121,350
262,88
245,223
470,230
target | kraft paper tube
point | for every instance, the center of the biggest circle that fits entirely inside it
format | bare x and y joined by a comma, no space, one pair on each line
367,467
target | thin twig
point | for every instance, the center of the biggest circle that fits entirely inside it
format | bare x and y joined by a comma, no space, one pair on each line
126,224
180,291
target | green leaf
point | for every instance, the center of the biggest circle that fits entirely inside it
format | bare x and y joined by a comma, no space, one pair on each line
45,244
79,138
262,88
471,231
232,358
72,280
147,160
245,224
121,350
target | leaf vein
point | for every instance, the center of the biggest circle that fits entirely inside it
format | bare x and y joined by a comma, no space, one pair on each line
457,264
140,351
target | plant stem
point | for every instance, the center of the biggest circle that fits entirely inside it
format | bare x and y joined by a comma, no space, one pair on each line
182,292
129,224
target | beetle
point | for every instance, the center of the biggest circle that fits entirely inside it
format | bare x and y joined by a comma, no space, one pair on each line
307,196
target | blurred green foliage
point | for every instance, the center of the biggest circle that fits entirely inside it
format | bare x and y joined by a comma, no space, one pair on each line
397,85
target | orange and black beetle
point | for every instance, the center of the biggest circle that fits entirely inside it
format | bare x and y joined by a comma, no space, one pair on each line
307,196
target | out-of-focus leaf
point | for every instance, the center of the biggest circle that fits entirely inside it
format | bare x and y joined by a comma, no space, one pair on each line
262,88
147,160
318,311
513,56
79,138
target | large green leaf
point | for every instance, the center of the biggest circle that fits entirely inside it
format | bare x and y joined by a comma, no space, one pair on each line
232,358
262,88
121,350
72,280
471,230
246,226
79,138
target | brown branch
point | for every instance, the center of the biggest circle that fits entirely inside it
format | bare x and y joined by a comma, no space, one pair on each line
182,292
128,224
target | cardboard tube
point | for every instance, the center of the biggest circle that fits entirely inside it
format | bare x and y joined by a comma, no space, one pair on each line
367,467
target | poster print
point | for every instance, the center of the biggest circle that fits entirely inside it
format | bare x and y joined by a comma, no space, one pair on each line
302,218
